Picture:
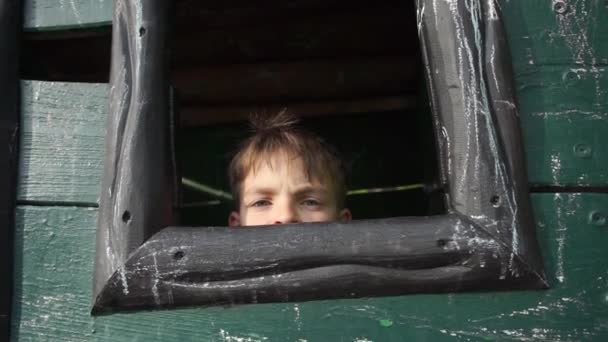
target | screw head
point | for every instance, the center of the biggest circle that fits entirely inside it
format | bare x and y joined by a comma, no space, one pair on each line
178,255
597,218
583,150
495,201
560,6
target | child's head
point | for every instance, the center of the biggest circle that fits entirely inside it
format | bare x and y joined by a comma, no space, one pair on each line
282,174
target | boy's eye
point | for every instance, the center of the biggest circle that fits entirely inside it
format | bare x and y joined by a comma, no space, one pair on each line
261,203
311,202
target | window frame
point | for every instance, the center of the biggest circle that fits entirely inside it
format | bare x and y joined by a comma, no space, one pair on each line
486,241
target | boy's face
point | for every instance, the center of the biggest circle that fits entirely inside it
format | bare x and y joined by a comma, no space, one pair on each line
279,192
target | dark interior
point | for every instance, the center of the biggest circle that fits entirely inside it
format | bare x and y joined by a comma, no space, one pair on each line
351,69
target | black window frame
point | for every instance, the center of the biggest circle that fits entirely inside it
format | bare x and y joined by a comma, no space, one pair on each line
486,241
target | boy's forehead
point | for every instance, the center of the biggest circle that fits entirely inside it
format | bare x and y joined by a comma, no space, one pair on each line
284,165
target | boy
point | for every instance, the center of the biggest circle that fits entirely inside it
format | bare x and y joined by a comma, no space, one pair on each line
282,174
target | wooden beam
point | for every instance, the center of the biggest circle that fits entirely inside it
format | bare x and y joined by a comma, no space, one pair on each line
52,15
195,14
62,142
296,81
362,33
203,116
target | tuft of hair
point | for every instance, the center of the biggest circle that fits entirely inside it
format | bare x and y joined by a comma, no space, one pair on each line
277,133
282,120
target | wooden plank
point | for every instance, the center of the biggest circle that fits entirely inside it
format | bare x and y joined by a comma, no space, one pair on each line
296,81
62,141
562,88
541,36
55,249
564,114
373,32
194,14
202,116
560,62
61,15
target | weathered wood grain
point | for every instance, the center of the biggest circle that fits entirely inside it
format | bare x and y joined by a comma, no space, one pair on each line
563,88
54,249
62,141
55,259
560,63
565,124
64,14
541,36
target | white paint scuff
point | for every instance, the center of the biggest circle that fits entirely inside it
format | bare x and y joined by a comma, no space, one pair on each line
227,337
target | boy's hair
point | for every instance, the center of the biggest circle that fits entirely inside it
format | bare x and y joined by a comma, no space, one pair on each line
279,133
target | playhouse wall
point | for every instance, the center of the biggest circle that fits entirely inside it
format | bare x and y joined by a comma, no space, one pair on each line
560,63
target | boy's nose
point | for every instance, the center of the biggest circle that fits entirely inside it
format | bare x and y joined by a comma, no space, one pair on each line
286,214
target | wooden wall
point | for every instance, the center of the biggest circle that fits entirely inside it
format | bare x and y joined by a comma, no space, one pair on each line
560,63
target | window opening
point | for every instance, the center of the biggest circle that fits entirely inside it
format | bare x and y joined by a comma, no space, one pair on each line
352,73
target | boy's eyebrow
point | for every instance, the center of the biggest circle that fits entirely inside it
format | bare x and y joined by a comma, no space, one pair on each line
310,188
259,190
298,191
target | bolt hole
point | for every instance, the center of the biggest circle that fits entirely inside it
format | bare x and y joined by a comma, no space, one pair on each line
560,7
495,201
126,216
597,218
178,255
442,243
142,31
583,150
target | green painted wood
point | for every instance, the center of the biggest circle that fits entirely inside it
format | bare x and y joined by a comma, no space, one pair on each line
560,63
53,271
55,248
44,15
62,141
561,86
541,36
550,90
565,124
